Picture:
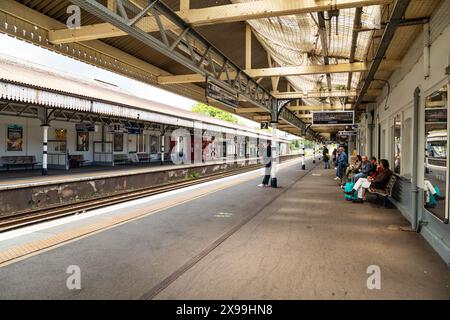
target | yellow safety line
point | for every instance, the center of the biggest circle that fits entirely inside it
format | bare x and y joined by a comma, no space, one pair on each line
13,254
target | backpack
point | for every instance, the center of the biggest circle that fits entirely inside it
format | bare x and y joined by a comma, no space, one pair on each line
347,188
433,201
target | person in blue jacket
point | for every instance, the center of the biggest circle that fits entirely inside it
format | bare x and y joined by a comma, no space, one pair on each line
342,163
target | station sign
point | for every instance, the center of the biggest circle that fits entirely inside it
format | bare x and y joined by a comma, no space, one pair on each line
332,118
117,128
222,95
135,130
84,127
347,133
264,125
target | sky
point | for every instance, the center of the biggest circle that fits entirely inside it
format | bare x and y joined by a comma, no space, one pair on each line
47,58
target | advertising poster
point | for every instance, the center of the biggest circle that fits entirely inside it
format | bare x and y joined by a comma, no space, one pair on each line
14,138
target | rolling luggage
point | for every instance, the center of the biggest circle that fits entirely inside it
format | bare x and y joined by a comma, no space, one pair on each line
347,188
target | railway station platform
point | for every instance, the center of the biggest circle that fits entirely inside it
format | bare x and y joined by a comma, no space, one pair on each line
228,239
25,192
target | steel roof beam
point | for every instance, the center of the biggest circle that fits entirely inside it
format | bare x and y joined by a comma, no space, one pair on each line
181,49
395,20
212,15
185,47
356,24
324,41
274,72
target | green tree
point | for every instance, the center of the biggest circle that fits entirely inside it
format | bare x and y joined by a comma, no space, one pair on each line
206,110
295,145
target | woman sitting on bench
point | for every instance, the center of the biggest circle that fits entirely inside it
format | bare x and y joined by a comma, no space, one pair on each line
379,182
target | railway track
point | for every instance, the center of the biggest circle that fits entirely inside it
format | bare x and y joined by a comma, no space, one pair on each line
46,214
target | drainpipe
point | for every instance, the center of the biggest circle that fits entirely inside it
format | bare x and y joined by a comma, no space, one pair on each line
426,50
370,126
414,189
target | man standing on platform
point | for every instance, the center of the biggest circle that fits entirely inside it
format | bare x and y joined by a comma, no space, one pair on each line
326,157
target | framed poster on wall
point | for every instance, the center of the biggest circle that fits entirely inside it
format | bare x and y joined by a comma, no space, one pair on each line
14,138
118,142
61,140
82,141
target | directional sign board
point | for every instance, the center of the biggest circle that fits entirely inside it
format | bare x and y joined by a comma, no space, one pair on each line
84,127
221,95
332,118
347,133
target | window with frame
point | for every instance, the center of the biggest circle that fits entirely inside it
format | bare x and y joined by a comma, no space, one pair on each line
397,143
142,143
436,154
154,144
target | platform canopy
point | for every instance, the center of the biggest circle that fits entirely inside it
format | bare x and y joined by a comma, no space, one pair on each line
321,54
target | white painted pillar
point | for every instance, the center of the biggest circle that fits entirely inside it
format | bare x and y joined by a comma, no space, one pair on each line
273,173
45,149
303,158
163,142
314,152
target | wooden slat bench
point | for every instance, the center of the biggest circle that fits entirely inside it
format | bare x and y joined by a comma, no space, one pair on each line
77,159
121,158
386,192
143,157
18,161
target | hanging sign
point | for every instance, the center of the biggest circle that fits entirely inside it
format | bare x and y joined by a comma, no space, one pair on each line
135,130
117,128
347,133
221,95
332,118
84,127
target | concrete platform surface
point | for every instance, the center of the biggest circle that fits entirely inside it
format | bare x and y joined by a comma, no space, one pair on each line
300,241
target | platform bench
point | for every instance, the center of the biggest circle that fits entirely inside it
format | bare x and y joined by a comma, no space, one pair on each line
77,159
121,158
18,161
387,191
143,157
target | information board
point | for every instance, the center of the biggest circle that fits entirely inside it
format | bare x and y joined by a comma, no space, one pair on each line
84,127
332,118
219,94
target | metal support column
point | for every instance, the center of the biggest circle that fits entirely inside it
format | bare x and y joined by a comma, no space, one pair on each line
45,149
163,142
303,157
314,152
273,174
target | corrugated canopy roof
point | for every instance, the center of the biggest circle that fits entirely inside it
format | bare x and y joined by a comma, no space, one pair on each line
30,74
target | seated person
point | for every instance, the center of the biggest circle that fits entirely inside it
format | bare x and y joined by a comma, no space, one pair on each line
354,168
376,171
378,182
374,166
366,169
348,170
